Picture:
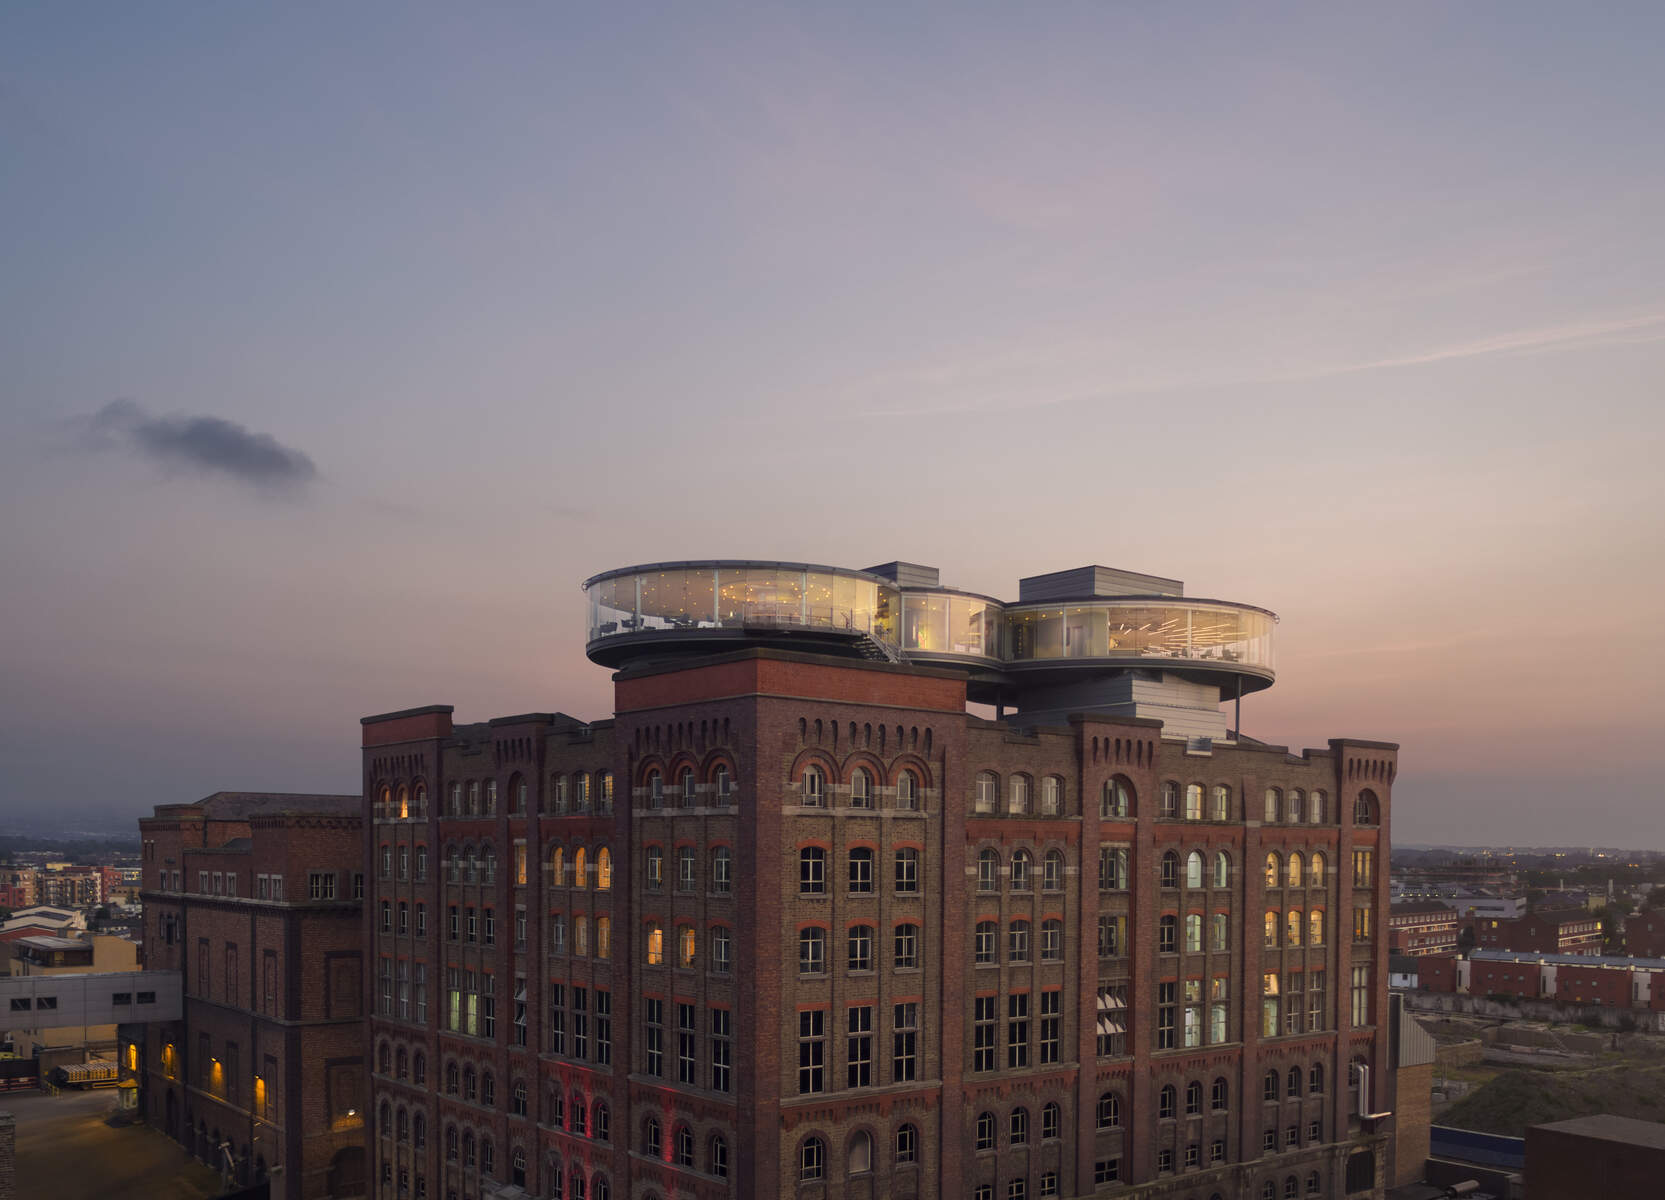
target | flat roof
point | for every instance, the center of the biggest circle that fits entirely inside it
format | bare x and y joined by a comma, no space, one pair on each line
1607,1127
47,942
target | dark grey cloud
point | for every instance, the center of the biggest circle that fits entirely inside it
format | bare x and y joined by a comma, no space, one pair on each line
210,445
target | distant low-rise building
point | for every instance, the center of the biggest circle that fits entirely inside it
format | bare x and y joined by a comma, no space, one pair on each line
1555,931
1645,933
1422,927
36,1033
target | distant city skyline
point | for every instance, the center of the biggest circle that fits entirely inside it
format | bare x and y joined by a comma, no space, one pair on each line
343,344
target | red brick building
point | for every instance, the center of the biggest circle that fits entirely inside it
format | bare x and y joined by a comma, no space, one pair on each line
1555,931
1598,985
1422,927
1645,934
1437,973
256,899
799,925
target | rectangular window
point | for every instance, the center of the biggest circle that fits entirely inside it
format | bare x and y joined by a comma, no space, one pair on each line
422,993
1166,995
580,1023
1112,1020
385,974
1112,936
1051,1021
557,1018
1269,997
1361,996
685,1043
858,1046
812,1051
1112,868
520,1021
722,1049
1107,1170
1017,1030
904,1064
653,1043
603,1026
1361,924
1315,1001
488,1007
982,1033
402,976
907,872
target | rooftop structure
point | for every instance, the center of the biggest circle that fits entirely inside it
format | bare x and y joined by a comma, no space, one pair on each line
1090,639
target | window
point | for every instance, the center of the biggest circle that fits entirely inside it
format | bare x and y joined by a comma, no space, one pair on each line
1170,799
861,789
685,1058
1365,808
1315,808
859,1159
1112,868
907,1144
653,1024
1193,933
1109,1111
1293,872
655,945
1220,810
684,868
988,871
1315,1000
1193,801
685,946
1112,936
722,1049
321,885
1274,805
1020,871
1361,924
651,1144
1167,1103
907,796
812,871
656,790
860,948
1315,869
1170,870
904,1059
1360,996
1167,934
1017,942
1219,1095
722,871
1293,927
861,870
858,1046
1111,1024
982,1033
1166,995
1107,1170
814,791
1364,862
1017,1127
1116,800
985,1131
812,1051
987,786
907,872
1052,940
906,946
812,1159
1052,871
1269,1086
722,784
1052,796
812,950
687,793
1315,1079
1017,1030
721,945
1052,1119
1051,1009
1018,799
1194,869
1296,808
719,1156
655,868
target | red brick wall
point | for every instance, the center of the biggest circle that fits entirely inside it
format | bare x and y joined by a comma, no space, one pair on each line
1437,973
1606,986
1505,979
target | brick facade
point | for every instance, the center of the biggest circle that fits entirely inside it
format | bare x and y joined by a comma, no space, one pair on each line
252,897
834,962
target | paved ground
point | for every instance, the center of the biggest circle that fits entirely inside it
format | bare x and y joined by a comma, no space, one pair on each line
65,1151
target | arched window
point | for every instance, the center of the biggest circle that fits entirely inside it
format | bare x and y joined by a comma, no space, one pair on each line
1170,799
812,1159
1291,1188
1315,808
1296,806
419,1131
907,1144
601,1122
860,1158
1315,927
688,793
1365,809
1274,805
471,1085
1052,1120
451,1079
1271,930
557,867
603,869
1194,869
907,791
651,1145
1221,808
1020,871
604,792
604,937
1315,1186
1052,871
1170,870
719,1156
419,1068
1193,1098
988,788
468,1155
451,1143
1220,1095
1052,796
1017,941
1315,1079
1018,800
488,1089
656,789
685,946
655,944
1017,1126
581,792
1193,801
1292,927
384,1059
812,871
1292,1085
580,869
1109,1111
1269,1086
1293,873
1269,1190
1273,869
988,871
984,938
722,871
861,791
1315,869
814,787
684,1146
517,1102
1117,800
1222,869
1167,1102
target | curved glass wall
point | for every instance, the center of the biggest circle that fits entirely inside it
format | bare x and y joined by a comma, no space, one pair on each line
739,597
1118,629
949,623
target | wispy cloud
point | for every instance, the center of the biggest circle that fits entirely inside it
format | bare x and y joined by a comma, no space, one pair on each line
201,444
1636,330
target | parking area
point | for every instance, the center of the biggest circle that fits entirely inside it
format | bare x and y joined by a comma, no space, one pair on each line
65,1150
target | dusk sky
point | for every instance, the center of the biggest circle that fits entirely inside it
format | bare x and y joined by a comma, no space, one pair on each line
341,342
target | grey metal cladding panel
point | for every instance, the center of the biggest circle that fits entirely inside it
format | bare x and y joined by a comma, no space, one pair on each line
907,574
1416,1044
1080,582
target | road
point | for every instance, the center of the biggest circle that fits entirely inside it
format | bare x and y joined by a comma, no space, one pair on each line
67,1152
